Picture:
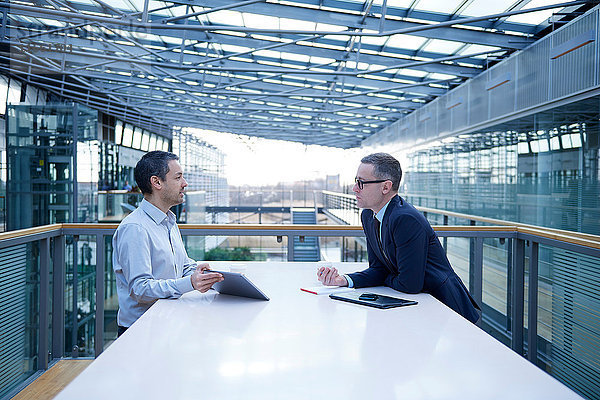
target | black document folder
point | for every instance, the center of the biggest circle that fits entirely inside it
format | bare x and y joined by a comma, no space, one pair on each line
372,300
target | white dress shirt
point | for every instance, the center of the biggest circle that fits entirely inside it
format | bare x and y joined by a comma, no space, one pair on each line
379,215
149,260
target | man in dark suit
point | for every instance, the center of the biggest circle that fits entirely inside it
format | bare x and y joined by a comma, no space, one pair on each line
404,252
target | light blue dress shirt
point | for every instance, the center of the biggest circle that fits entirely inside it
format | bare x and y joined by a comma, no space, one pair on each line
379,216
149,260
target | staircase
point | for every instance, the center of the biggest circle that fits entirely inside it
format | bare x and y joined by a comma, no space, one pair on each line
307,250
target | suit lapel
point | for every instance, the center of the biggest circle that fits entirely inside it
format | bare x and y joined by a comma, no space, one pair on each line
396,201
384,233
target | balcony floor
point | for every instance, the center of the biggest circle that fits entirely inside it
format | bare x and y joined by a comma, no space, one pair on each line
51,382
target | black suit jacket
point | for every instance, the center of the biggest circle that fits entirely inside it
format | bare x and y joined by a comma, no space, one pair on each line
411,259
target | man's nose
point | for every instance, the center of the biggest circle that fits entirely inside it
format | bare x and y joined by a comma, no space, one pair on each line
184,182
355,188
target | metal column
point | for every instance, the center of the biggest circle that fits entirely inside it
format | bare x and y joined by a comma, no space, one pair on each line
99,334
44,296
58,298
533,303
517,295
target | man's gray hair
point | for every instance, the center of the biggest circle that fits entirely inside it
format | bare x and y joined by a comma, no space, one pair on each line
386,167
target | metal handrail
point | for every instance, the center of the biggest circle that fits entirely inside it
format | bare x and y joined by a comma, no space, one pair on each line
577,238
348,196
525,245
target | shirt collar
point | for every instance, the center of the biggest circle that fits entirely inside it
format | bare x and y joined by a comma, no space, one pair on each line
156,214
381,212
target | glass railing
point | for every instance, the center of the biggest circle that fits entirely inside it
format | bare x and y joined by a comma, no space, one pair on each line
114,205
539,289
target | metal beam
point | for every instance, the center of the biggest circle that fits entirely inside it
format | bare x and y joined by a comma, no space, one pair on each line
211,10
443,30
423,15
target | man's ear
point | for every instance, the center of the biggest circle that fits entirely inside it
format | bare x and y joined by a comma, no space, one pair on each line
387,187
155,182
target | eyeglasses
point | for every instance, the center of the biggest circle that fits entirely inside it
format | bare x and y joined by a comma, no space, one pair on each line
361,183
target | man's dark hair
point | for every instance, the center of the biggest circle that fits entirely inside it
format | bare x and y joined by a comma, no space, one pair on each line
386,167
154,163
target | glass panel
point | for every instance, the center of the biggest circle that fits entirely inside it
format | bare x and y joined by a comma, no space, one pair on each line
236,248
569,318
152,144
111,301
127,135
480,8
113,207
145,140
443,46
3,93
31,93
457,251
42,97
137,138
80,295
346,249
495,279
159,142
118,132
14,92
537,17
87,180
442,6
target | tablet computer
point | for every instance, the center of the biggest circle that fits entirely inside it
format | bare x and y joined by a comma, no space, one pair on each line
237,284
373,300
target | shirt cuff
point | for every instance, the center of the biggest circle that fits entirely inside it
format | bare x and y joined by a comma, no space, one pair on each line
350,282
184,284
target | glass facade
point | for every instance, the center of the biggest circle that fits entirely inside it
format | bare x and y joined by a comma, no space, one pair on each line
52,173
540,170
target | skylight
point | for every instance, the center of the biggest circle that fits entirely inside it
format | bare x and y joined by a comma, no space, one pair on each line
406,42
537,17
443,46
226,17
252,66
480,8
441,6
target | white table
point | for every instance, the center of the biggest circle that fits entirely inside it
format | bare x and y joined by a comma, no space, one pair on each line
303,346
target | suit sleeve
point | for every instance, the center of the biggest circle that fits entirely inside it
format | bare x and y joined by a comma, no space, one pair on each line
410,242
376,273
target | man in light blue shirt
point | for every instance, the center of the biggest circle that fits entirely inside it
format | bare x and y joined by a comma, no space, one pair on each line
149,258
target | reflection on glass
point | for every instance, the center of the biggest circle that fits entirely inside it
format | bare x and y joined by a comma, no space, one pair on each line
80,291
3,93
137,138
152,144
145,140
523,148
575,140
118,132
127,135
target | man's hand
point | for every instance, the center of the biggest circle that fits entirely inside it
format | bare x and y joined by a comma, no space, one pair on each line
203,281
331,277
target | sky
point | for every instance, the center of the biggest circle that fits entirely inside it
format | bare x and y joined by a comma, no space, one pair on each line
258,161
